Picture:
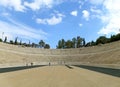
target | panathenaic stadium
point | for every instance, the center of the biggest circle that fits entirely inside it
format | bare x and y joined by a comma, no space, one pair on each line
97,66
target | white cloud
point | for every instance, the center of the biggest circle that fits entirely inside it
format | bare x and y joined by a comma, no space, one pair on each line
54,20
112,17
96,2
15,4
80,25
22,5
95,10
81,3
86,14
112,5
5,14
14,29
38,4
41,21
51,21
74,13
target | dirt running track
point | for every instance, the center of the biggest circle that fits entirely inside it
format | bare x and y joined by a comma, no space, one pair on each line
57,76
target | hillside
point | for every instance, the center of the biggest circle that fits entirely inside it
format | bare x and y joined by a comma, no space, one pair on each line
102,54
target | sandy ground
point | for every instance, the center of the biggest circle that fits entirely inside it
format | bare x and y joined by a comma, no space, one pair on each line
57,76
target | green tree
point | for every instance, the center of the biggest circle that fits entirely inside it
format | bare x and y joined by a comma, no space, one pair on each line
11,42
83,41
88,44
112,38
20,42
63,43
118,37
102,40
68,44
5,40
59,46
115,37
0,40
24,44
79,41
41,44
74,42
47,46
33,45
93,43
16,41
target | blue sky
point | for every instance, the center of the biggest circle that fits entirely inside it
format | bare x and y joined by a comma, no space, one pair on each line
52,20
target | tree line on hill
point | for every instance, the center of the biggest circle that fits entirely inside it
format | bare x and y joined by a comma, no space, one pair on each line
78,42
75,42
41,43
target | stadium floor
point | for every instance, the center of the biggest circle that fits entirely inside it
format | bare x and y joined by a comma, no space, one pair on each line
57,76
